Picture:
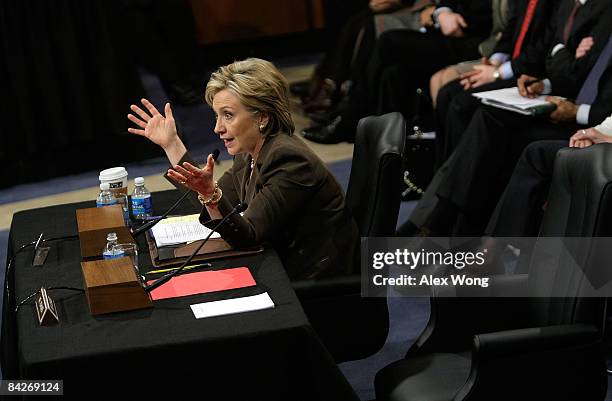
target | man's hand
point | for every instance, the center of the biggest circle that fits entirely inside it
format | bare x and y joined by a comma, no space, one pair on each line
481,74
488,61
379,6
451,24
587,137
584,46
425,16
529,86
566,110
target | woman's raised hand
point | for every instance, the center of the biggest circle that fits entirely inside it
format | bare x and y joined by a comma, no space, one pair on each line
153,125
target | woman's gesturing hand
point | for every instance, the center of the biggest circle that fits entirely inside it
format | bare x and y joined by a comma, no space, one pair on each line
197,179
159,129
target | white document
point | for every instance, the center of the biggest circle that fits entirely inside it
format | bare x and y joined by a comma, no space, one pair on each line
234,305
510,99
179,230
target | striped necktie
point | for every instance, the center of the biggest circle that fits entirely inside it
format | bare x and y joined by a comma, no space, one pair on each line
589,89
570,21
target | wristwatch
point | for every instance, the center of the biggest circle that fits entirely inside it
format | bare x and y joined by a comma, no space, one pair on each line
434,20
496,74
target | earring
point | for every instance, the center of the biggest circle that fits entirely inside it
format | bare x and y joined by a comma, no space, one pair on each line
261,127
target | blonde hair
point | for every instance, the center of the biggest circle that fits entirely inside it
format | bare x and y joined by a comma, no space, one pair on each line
259,86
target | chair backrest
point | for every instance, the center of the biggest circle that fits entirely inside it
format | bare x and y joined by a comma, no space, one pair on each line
374,191
579,205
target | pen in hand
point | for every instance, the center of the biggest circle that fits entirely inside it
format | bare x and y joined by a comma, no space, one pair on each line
531,82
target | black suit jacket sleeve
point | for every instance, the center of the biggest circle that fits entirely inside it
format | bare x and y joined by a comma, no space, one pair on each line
506,41
478,15
538,40
566,73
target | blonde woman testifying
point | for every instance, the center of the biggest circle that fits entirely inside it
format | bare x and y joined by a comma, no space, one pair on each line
294,202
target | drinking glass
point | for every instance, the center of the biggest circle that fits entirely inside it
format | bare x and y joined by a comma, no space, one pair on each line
130,250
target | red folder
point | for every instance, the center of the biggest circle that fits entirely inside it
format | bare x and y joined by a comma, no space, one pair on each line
203,282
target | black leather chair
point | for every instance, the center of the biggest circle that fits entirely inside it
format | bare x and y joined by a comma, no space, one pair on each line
350,326
535,348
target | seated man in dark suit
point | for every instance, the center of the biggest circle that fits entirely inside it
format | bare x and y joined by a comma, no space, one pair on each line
462,25
586,32
522,49
520,210
478,171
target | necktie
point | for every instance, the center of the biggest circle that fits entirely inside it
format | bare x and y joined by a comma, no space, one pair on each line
570,21
588,92
524,27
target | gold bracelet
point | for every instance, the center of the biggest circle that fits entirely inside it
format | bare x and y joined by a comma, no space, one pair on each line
214,198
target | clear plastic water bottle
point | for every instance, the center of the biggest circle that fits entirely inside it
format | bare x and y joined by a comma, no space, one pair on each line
141,200
110,252
106,197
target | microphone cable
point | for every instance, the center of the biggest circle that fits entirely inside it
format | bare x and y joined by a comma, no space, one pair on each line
23,247
32,295
239,208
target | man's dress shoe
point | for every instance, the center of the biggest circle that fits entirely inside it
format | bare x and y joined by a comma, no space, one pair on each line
326,134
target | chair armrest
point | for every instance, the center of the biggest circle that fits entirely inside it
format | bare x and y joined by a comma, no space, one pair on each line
492,346
459,314
564,362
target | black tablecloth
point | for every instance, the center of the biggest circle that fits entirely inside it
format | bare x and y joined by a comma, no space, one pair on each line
269,354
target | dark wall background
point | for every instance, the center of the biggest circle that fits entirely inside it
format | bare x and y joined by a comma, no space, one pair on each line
69,69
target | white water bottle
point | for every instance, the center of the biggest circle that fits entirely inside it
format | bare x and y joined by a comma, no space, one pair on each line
106,197
141,200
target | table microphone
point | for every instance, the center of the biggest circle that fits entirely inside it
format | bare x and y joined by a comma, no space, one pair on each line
239,208
151,223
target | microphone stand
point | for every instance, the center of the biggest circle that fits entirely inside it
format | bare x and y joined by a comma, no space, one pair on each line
149,224
165,278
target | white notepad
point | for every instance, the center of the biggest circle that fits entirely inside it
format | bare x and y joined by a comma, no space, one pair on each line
234,305
179,230
510,99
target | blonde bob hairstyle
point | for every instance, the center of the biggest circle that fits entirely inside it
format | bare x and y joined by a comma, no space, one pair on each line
260,87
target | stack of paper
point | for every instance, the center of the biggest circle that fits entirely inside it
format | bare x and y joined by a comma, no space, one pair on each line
510,99
180,230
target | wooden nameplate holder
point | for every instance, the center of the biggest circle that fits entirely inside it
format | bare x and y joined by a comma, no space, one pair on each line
94,224
111,285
